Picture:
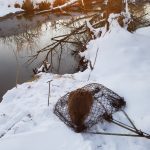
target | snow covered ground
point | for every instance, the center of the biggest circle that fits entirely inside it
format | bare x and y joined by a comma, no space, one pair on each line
4,9
122,64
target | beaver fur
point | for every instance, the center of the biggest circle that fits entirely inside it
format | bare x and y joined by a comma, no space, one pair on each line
79,105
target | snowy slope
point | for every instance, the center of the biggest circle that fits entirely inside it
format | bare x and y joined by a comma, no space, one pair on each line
122,64
52,138
4,9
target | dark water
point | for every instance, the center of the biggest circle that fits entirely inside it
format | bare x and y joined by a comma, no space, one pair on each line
20,38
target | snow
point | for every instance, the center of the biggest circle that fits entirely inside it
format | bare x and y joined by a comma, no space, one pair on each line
52,139
35,122
69,3
144,31
4,9
122,64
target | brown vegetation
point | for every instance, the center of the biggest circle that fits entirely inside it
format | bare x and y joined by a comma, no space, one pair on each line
115,6
59,2
87,4
28,6
44,5
17,5
97,21
79,105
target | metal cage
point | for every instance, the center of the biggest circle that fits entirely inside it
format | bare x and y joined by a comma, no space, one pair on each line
105,103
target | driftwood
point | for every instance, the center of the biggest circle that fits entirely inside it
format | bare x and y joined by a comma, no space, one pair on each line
58,8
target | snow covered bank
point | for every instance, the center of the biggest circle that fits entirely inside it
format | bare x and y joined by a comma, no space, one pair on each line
122,64
34,120
5,9
52,138
7,6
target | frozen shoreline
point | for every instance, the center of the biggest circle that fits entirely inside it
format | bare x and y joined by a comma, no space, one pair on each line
5,10
122,64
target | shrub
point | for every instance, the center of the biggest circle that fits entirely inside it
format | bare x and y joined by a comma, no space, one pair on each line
44,5
17,5
28,6
59,2
115,6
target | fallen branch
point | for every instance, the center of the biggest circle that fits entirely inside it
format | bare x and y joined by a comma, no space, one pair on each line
67,5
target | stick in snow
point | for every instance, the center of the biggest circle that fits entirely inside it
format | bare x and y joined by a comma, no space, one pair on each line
49,90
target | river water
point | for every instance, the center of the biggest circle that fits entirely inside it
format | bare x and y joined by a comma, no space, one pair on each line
22,37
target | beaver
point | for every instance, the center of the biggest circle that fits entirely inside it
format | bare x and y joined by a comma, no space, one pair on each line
79,105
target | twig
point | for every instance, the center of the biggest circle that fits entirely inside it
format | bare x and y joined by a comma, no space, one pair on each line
95,58
52,46
17,72
92,67
49,90
57,8
61,50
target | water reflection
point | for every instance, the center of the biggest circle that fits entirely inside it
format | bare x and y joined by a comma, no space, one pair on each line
15,49
24,36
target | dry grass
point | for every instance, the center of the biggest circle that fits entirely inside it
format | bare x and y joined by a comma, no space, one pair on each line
28,6
17,5
59,2
44,5
34,78
115,6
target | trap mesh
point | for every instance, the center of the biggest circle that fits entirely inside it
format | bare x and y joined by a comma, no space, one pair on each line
105,103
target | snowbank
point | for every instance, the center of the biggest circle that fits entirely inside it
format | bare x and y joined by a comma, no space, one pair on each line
122,64
4,9
52,138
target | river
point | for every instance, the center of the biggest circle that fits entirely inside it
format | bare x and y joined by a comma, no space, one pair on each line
23,37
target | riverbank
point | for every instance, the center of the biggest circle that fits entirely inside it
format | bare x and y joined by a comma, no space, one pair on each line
121,62
8,6
23,38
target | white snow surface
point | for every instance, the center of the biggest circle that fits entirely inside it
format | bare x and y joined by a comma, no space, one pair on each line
122,64
4,9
